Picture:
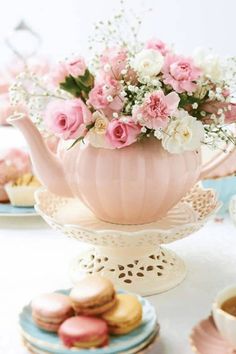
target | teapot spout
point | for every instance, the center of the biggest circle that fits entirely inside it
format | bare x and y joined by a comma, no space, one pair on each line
47,166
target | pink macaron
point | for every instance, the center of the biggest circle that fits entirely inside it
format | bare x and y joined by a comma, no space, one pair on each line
84,332
49,311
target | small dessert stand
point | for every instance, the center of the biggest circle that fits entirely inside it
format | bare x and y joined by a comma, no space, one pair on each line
130,255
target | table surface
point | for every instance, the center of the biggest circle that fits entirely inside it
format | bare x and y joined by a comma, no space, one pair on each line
35,259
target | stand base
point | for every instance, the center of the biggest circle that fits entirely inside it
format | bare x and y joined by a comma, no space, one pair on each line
137,270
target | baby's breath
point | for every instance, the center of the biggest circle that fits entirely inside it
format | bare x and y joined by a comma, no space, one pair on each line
33,92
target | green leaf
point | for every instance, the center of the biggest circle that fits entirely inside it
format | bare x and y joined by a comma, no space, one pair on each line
75,142
90,126
85,82
79,86
71,86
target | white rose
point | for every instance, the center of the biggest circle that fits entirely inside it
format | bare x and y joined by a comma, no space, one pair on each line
148,63
96,135
100,123
209,63
183,133
97,140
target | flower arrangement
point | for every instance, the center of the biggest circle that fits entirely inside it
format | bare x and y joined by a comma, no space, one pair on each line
134,93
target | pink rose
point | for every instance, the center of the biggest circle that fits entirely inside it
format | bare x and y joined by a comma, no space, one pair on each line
156,109
98,97
76,66
58,74
120,134
113,61
180,73
106,95
157,44
67,119
213,107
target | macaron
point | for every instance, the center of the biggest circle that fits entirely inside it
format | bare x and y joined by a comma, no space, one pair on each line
84,332
93,295
50,310
125,316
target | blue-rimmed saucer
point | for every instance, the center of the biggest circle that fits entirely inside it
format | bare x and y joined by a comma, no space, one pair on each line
146,347
6,209
50,342
225,188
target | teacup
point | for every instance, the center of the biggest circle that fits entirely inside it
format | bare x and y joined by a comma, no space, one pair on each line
224,314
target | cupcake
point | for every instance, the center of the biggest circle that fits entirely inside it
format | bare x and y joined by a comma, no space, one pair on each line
21,192
13,163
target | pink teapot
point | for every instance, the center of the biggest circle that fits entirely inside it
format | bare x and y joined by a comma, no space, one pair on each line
137,184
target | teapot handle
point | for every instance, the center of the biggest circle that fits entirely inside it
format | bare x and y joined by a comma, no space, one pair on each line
209,166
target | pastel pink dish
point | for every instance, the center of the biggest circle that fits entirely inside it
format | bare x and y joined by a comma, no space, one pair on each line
137,184
205,339
84,332
49,311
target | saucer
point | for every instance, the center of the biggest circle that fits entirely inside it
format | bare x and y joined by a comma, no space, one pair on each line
129,343
225,188
6,209
206,339
145,347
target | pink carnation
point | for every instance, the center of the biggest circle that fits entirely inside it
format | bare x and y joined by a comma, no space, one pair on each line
180,73
157,44
122,133
76,66
156,109
67,119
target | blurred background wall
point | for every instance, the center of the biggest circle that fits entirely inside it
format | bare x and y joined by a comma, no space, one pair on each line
65,25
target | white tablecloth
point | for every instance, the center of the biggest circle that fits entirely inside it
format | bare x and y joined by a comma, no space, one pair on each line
35,259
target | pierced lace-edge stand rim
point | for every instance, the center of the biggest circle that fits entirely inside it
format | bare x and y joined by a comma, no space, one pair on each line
130,255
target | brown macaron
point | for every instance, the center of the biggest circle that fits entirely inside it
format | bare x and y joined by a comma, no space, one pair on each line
93,295
49,311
